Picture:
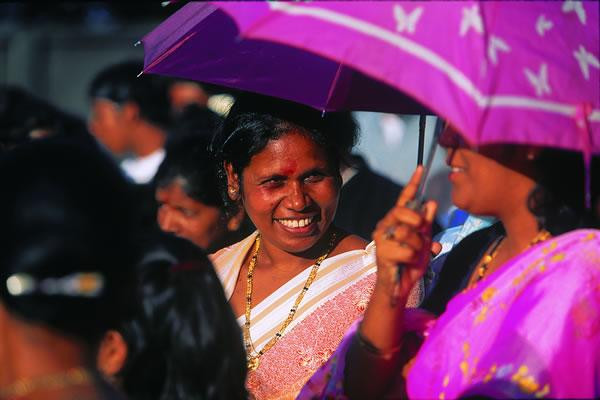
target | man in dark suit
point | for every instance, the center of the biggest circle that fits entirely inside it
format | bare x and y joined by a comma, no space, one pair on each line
365,198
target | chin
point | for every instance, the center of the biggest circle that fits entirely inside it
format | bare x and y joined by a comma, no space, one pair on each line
458,200
299,244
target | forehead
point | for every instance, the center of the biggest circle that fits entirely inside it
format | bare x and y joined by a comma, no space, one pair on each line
174,193
102,105
293,152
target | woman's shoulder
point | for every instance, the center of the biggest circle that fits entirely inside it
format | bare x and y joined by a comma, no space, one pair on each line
224,255
350,242
579,247
353,253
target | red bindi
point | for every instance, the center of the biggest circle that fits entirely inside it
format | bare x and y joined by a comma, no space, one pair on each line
289,168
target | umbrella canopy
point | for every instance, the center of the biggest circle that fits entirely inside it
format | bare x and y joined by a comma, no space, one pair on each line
516,72
204,42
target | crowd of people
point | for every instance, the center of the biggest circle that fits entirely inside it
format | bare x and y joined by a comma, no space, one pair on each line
165,251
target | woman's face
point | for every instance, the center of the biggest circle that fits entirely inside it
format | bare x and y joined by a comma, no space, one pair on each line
487,181
290,191
185,217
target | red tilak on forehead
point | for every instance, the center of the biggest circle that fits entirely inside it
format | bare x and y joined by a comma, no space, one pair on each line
289,168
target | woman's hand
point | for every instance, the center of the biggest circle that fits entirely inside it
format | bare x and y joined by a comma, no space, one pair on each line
403,240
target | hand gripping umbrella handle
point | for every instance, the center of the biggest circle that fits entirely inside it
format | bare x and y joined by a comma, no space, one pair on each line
416,203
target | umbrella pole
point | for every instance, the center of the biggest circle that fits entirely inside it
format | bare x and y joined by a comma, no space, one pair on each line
421,139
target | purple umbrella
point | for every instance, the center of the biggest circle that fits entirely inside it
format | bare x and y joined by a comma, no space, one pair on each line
519,72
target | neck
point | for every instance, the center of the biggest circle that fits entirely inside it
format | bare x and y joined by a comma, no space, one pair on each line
521,227
146,139
28,351
270,256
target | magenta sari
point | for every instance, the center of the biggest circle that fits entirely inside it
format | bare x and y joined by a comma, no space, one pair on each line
531,329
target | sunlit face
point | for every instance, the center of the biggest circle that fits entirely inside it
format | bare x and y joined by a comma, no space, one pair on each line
290,191
185,217
107,125
486,181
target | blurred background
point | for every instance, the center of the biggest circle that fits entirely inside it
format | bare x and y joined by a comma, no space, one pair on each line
53,50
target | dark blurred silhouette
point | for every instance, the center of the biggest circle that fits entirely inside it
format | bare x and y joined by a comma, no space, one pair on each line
131,115
24,117
67,252
184,341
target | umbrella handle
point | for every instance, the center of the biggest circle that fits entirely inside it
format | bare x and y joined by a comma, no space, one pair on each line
421,149
416,203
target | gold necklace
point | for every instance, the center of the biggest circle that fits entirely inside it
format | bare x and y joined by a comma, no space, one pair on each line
25,386
253,360
491,254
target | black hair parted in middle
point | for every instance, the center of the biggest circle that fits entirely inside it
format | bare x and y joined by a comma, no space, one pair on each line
254,120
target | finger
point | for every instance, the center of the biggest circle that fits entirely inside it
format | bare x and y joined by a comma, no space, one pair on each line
396,217
436,248
403,215
409,191
391,252
404,235
387,220
428,211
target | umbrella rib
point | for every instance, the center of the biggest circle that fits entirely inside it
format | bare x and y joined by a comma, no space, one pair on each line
333,85
169,51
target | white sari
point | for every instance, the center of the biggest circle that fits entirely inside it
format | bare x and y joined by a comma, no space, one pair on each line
339,294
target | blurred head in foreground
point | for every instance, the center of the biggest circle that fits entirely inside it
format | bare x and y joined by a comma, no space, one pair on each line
66,258
183,342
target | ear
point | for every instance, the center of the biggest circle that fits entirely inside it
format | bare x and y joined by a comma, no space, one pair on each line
233,182
112,354
130,111
234,222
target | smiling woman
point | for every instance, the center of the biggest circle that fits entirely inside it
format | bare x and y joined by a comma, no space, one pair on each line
298,282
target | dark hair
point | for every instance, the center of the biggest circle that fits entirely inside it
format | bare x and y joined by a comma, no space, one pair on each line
21,114
254,120
65,210
184,342
120,84
558,200
187,156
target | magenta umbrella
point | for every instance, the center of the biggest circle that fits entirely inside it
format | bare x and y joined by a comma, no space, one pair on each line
517,72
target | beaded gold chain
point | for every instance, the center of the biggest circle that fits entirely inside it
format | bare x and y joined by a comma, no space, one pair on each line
483,268
253,360
26,386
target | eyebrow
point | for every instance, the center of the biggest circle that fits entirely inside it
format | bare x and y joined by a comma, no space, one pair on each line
278,176
316,170
263,178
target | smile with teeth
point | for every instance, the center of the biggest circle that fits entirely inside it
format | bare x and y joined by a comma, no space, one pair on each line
457,169
296,223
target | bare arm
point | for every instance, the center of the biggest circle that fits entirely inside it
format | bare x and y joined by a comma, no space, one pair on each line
374,357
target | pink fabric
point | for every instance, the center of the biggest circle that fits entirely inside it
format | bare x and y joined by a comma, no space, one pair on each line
285,369
500,71
531,329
